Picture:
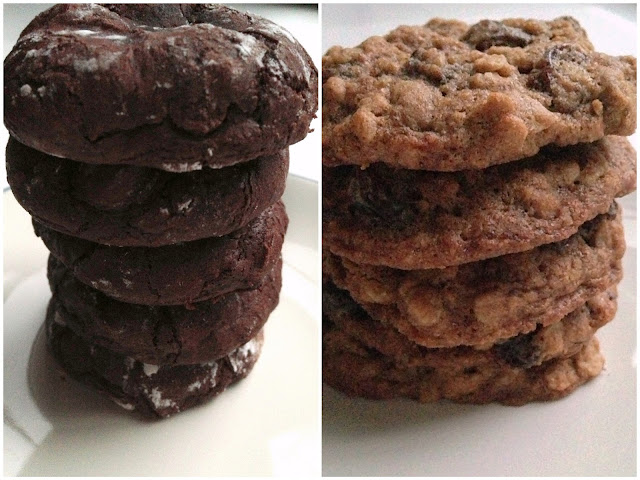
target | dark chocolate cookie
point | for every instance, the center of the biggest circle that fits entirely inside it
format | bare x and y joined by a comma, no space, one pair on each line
162,335
152,390
175,274
170,86
137,206
413,219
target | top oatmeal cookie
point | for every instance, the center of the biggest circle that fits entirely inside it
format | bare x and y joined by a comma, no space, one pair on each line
447,96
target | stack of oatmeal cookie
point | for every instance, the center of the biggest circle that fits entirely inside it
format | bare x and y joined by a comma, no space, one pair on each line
472,244
150,145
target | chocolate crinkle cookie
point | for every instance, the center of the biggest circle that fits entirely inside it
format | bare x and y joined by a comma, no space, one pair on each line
183,273
164,335
137,206
450,96
151,390
170,86
149,144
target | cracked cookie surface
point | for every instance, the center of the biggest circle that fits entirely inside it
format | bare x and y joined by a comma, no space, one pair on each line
138,206
170,86
151,390
362,357
482,302
164,335
415,220
449,96
178,274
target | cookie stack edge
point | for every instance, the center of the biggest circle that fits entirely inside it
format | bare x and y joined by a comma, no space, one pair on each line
467,188
162,209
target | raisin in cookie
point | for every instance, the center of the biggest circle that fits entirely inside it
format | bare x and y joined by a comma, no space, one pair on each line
170,86
414,220
449,96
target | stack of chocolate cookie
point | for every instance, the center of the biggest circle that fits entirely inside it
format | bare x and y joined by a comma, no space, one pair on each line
472,244
150,145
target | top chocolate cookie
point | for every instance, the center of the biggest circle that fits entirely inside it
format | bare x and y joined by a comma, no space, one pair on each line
448,96
170,86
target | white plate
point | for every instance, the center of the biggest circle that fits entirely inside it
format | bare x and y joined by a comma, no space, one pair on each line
590,433
268,424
